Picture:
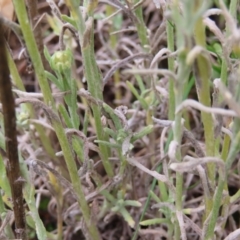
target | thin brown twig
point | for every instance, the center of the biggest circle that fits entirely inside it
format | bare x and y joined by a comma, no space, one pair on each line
13,168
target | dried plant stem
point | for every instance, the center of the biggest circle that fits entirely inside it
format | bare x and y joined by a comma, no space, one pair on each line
67,152
201,107
13,169
124,62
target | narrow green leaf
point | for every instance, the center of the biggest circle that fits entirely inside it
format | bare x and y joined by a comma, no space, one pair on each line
53,79
114,145
132,203
153,221
145,131
135,93
65,116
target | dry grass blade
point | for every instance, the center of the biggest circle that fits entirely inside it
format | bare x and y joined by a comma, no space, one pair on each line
38,95
194,162
192,225
191,103
234,235
61,179
155,174
38,104
162,72
122,63
181,224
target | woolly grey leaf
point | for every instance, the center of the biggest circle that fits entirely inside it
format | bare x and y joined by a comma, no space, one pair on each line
52,116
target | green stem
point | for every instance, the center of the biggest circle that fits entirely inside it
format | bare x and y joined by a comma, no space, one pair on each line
141,28
92,74
113,43
183,75
203,74
233,8
33,50
225,147
215,210
221,183
224,70
170,43
72,168
235,197
67,152
171,111
179,176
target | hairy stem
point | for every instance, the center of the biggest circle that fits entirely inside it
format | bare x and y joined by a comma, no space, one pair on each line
92,74
64,143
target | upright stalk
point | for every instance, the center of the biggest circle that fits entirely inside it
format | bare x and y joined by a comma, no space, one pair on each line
183,75
171,112
224,70
183,44
170,44
234,150
203,74
92,73
113,40
222,181
66,149
13,168
141,28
